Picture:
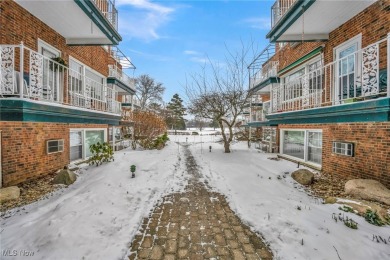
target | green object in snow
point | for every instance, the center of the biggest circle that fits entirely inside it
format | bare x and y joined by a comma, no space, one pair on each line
132,168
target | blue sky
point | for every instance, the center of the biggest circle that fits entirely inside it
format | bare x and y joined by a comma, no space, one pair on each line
169,39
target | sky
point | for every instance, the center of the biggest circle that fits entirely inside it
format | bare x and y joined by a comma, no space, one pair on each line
171,39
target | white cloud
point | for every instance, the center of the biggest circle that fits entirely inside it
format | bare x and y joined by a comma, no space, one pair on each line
190,52
145,4
196,56
143,20
258,23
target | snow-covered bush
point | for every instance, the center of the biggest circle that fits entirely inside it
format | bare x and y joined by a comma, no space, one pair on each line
101,152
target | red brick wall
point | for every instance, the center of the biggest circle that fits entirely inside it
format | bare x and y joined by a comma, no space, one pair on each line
17,25
288,54
372,149
24,149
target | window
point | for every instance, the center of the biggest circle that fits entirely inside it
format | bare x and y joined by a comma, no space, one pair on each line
295,81
81,139
305,145
343,148
55,146
85,81
92,137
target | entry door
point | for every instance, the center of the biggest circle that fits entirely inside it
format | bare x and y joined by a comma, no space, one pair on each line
51,75
346,72
76,145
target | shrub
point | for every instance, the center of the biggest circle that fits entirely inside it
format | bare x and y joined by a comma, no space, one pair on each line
100,153
373,218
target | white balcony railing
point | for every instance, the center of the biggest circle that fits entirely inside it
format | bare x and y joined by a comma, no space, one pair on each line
28,74
259,114
115,72
131,100
107,7
256,99
270,69
262,67
279,9
358,76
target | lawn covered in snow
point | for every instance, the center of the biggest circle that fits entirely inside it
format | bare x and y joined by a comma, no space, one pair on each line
97,217
269,206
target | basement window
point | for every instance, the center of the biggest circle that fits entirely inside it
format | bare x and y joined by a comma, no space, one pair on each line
343,148
55,146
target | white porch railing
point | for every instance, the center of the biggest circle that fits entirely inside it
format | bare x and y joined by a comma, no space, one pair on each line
259,114
107,7
278,10
132,100
358,76
269,69
115,72
256,99
28,74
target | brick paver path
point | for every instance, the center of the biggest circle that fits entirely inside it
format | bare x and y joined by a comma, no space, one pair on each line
196,224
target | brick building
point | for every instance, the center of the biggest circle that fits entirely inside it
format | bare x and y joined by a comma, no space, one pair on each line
62,83
326,78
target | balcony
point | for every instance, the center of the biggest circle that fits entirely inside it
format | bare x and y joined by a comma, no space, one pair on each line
359,76
131,101
263,70
117,77
279,9
308,20
259,113
81,22
116,74
27,74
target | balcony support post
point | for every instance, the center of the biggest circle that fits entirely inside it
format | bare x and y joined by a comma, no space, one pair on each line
21,71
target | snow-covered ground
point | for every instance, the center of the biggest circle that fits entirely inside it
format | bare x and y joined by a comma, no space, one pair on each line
97,217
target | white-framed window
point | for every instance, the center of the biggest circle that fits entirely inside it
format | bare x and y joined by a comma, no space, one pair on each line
307,75
81,139
305,145
343,148
86,81
55,146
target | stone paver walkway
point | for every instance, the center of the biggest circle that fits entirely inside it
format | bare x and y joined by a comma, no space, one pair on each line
196,224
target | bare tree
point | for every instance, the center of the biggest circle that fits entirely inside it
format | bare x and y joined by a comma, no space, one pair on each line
148,91
220,91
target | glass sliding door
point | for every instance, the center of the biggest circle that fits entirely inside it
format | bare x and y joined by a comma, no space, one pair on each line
293,143
303,144
92,137
314,149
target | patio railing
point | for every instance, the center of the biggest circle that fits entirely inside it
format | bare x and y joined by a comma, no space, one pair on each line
25,73
279,9
115,72
107,7
269,69
358,76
